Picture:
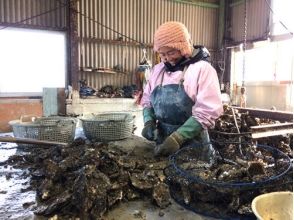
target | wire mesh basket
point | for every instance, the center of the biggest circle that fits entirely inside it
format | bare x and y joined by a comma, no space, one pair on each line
108,126
55,128
266,160
226,188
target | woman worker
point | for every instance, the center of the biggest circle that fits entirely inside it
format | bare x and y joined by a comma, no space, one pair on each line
182,98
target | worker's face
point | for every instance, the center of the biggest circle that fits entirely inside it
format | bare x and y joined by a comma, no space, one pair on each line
170,55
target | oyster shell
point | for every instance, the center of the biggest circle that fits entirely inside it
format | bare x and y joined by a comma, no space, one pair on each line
161,195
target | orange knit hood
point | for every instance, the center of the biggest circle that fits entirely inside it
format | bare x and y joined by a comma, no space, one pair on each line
175,35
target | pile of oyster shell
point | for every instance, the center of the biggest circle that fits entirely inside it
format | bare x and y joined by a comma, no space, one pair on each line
242,168
85,180
228,124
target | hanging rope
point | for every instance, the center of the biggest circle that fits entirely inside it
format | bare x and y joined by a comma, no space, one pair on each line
144,59
62,5
244,43
282,23
35,16
102,25
243,98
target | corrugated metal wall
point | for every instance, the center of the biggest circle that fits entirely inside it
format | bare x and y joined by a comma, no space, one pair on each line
258,13
44,14
101,23
101,47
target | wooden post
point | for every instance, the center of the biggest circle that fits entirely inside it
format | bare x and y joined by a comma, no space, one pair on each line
73,44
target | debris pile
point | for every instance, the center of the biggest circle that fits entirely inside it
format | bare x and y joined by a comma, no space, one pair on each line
226,188
85,180
110,91
226,130
242,169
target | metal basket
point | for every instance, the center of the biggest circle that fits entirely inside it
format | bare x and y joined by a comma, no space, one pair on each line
191,187
55,128
108,126
280,166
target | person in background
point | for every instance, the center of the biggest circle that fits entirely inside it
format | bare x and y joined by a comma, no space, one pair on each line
182,98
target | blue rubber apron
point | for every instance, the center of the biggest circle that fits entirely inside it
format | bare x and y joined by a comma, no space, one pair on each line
172,107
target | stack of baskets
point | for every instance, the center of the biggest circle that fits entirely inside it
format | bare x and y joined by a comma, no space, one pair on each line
108,126
55,128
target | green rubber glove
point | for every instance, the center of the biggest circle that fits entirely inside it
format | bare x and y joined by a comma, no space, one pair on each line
190,129
170,145
149,129
148,115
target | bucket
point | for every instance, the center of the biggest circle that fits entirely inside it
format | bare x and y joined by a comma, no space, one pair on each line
273,206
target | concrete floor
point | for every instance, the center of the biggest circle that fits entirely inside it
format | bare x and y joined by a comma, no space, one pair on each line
145,210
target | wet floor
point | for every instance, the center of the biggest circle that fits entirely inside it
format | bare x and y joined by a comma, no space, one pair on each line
17,200
15,193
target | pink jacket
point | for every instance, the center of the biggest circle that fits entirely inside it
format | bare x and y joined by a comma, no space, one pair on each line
201,85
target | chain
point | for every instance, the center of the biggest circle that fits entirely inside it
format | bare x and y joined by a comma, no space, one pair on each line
244,41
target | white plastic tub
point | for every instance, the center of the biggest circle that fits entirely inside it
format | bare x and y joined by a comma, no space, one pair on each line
273,206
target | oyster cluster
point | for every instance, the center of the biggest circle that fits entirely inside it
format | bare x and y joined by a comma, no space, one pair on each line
242,168
228,126
85,180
